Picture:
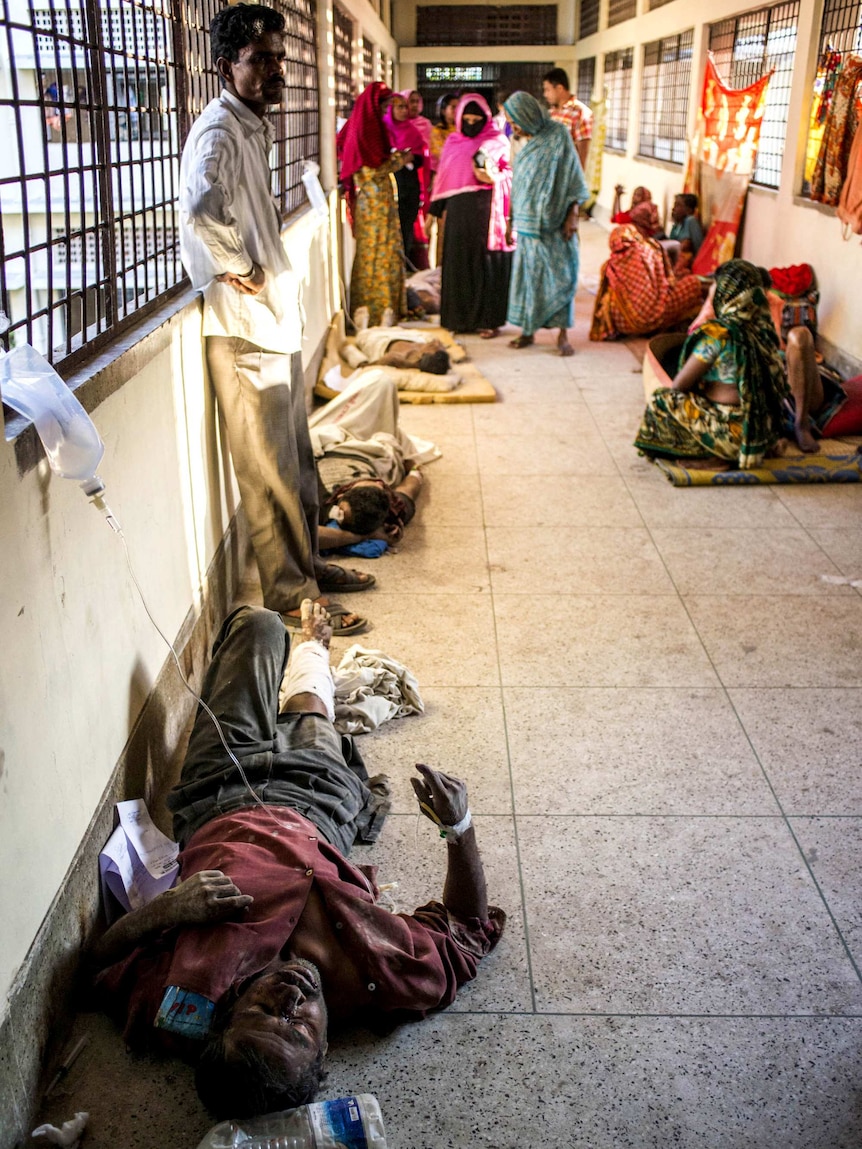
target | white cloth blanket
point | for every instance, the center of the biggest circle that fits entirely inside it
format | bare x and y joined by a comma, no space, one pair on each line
363,420
371,688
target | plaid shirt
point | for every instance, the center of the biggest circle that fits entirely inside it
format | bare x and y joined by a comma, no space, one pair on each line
577,117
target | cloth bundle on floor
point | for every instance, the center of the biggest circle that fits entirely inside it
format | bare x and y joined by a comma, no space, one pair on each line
371,688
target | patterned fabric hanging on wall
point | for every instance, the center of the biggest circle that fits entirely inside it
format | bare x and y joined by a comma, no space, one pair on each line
721,160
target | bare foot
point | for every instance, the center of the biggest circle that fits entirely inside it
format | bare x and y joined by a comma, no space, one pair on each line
315,623
321,603
360,318
522,341
804,439
563,343
389,318
489,333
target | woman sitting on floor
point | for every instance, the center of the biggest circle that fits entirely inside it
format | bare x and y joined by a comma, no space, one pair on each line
727,399
638,292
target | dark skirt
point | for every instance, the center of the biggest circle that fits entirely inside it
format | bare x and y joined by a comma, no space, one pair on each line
409,198
475,285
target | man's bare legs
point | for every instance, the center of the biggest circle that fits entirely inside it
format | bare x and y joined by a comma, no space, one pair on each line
805,384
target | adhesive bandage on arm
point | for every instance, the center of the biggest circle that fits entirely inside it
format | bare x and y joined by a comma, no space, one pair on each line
308,672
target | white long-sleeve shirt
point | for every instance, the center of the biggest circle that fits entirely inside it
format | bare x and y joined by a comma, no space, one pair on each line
229,220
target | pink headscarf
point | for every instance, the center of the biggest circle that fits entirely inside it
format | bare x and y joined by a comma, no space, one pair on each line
455,171
455,167
403,134
421,122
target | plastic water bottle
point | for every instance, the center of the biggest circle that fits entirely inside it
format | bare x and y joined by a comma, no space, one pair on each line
347,1123
31,386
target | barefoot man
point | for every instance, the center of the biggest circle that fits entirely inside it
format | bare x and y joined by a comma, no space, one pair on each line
548,187
271,929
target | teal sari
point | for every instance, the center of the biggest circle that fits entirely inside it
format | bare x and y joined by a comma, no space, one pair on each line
547,180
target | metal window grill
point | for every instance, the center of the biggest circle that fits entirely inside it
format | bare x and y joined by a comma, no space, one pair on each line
745,48
485,25
342,27
618,87
619,10
297,122
588,21
586,79
367,63
490,80
665,86
388,73
653,4
100,95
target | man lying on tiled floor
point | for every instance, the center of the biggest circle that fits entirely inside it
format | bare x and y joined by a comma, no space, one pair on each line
272,928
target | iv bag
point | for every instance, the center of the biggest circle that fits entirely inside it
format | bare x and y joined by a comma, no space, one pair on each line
314,191
31,386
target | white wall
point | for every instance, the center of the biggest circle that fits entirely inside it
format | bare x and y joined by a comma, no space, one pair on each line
79,656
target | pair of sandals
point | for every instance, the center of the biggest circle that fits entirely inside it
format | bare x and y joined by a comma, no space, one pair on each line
332,579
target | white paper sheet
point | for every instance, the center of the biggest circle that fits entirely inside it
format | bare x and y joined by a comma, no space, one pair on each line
138,861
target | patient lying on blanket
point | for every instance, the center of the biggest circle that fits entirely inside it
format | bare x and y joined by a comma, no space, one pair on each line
367,467
390,346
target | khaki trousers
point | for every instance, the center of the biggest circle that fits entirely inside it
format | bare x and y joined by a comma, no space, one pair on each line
262,398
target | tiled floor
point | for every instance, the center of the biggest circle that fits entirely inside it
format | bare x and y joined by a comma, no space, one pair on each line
655,697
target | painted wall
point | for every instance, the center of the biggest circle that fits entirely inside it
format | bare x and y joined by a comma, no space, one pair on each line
79,656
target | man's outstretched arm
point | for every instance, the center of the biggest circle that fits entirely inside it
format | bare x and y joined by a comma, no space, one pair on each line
443,799
207,897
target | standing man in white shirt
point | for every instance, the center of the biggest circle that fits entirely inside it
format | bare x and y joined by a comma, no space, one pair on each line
231,246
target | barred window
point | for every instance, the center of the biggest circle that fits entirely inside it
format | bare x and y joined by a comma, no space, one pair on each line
588,22
747,47
586,79
297,121
343,34
475,24
618,87
367,63
664,97
100,97
619,10
657,4
840,35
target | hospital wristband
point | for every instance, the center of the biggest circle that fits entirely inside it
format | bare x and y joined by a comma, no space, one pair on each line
456,832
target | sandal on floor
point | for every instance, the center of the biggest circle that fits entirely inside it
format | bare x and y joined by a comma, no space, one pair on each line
336,612
334,578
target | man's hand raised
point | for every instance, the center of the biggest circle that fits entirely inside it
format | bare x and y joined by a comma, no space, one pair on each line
441,797
208,896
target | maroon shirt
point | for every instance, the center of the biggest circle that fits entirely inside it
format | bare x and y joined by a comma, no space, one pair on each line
413,962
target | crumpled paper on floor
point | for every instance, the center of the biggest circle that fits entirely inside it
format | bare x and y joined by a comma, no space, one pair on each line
371,688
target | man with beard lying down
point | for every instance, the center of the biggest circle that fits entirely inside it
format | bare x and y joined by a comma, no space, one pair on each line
272,932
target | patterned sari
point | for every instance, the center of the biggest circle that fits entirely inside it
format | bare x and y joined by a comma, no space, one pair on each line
742,344
638,293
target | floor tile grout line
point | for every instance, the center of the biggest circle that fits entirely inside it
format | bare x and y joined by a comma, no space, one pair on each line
518,862
654,1015
757,757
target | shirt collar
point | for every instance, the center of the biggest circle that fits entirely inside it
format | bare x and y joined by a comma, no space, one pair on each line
249,121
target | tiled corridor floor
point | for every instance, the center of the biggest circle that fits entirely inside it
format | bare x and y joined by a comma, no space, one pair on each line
655,697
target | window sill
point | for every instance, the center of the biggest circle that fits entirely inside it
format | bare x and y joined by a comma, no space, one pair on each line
614,151
98,378
823,208
656,162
